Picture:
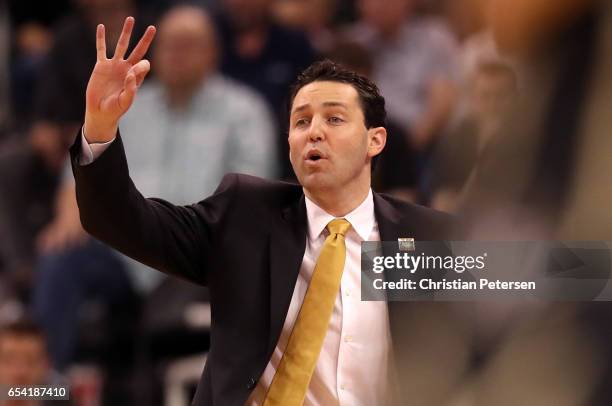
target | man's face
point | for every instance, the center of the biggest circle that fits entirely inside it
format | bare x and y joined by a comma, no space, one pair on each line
330,147
23,360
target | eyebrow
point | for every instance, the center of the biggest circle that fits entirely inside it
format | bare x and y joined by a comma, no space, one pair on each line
325,104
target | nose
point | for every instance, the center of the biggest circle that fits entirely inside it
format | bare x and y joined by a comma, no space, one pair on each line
316,132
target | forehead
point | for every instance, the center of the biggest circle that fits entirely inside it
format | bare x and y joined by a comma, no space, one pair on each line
318,93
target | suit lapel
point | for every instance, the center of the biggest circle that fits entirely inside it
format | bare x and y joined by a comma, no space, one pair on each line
392,225
287,245
388,219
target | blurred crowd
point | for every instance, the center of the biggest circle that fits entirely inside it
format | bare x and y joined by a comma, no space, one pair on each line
498,111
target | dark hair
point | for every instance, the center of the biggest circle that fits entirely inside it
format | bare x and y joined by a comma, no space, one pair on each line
23,328
372,103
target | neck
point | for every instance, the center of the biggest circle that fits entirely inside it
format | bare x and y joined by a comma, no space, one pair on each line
339,203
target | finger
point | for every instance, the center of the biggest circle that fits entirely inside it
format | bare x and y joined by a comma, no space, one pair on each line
124,38
101,42
127,94
140,70
143,45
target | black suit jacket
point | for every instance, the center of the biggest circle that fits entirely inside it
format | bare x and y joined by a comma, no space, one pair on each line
245,242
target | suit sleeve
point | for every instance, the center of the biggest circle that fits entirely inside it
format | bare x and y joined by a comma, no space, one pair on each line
178,240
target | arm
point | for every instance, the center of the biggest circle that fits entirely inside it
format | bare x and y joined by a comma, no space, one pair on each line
172,239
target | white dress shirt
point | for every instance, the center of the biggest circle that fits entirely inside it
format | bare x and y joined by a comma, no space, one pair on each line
353,365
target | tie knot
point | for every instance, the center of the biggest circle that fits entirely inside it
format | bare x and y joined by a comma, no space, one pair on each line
338,226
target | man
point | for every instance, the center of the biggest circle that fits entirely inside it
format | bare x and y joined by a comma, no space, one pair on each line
24,360
188,111
281,260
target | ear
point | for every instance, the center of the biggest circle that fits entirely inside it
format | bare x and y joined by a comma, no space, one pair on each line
377,139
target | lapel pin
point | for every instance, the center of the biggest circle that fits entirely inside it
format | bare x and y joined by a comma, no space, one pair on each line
405,244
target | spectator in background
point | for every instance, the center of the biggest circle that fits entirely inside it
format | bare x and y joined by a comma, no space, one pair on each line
24,360
477,48
188,112
265,56
32,45
4,84
314,17
492,90
415,65
27,187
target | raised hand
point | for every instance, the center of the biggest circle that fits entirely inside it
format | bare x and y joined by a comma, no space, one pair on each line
114,82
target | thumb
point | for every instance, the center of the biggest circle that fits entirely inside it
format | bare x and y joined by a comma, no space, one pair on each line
126,97
140,70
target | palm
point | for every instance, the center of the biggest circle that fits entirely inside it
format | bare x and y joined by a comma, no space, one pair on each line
105,86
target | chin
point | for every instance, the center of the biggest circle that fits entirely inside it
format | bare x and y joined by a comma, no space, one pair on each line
317,180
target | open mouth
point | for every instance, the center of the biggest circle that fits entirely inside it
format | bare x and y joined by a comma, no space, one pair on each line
314,156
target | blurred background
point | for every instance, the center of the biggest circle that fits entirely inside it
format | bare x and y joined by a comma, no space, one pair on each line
498,112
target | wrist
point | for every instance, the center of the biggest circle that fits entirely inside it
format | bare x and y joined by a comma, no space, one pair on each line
98,132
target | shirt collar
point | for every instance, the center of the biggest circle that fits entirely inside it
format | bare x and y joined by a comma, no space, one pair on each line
361,218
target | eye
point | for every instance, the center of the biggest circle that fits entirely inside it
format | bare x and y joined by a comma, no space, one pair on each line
335,120
302,122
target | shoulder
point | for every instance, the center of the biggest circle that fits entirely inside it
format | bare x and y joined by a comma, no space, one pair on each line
432,224
417,210
253,190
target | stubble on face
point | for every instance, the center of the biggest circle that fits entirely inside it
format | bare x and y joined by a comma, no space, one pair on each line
328,139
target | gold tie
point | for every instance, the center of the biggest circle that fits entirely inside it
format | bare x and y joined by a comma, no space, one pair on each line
289,385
